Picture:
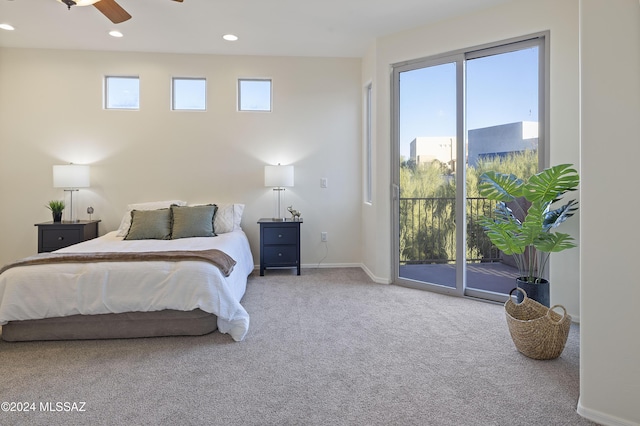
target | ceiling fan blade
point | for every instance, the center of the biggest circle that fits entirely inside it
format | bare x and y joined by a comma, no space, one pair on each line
179,1
112,10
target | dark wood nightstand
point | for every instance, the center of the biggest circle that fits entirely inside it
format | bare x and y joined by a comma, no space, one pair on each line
279,244
56,235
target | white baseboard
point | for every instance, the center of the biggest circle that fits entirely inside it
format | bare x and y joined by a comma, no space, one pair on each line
366,270
375,279
329,265
602,418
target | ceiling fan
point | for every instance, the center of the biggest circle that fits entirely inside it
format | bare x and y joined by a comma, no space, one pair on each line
109,8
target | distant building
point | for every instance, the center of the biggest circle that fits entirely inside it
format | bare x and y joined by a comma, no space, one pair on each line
501,140
427,149
494,141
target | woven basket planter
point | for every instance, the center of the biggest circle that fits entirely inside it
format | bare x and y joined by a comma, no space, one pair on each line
537,331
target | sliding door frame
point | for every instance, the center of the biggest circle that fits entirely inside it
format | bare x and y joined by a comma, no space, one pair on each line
541,40
458,59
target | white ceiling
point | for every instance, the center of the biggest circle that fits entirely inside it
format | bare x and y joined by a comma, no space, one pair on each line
342,28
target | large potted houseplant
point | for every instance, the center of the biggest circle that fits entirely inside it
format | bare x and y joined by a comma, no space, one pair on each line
523,223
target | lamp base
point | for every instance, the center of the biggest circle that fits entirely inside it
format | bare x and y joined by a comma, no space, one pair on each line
280,194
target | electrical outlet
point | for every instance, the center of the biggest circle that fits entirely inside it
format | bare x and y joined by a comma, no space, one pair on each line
323,237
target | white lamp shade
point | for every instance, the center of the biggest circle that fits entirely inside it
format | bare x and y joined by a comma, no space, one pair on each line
278,176
71,176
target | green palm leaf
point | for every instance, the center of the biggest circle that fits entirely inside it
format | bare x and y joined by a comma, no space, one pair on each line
504,235
554,218
532,225
550,183
504,214
500,186
554,242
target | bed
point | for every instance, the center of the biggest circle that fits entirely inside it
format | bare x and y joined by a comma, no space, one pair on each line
126,294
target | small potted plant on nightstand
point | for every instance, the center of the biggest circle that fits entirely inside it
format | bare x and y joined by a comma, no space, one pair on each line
56,207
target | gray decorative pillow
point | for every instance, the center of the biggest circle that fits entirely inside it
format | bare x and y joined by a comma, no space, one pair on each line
192,221
125,224
150,225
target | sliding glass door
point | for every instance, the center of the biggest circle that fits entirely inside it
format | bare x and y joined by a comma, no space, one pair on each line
427,126
455,117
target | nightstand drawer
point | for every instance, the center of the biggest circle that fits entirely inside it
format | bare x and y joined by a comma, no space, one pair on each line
281,255
54,239
280,235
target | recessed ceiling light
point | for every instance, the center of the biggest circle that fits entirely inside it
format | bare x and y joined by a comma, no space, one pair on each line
115,33
6,27
230,37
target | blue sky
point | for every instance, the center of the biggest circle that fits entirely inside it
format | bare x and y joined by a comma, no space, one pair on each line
500,89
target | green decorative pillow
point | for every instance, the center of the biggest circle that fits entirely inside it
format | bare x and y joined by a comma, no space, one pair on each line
192,221
150,225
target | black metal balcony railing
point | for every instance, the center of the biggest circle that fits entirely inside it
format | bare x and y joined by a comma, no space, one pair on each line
428,227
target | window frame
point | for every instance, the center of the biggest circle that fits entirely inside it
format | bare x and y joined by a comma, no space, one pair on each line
105,100
542,42
173,93
239,98
368,144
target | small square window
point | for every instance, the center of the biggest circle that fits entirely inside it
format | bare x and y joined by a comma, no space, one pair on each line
189,94
122,92
254,95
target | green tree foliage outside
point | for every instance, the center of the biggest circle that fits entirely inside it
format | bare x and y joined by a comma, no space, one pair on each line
427,207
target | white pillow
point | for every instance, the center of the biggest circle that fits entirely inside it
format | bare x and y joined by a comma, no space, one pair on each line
228,218
125,224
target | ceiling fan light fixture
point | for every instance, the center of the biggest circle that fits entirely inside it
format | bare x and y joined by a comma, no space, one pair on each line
230,37
78,2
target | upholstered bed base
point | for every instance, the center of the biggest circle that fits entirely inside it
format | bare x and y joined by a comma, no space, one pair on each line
112,326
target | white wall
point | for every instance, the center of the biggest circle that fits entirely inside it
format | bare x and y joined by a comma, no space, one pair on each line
501,23
51,113
374,250
610,305
582,115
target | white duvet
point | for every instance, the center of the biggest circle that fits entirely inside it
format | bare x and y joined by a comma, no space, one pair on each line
45,291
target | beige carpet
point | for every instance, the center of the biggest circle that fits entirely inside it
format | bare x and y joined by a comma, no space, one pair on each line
325,348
